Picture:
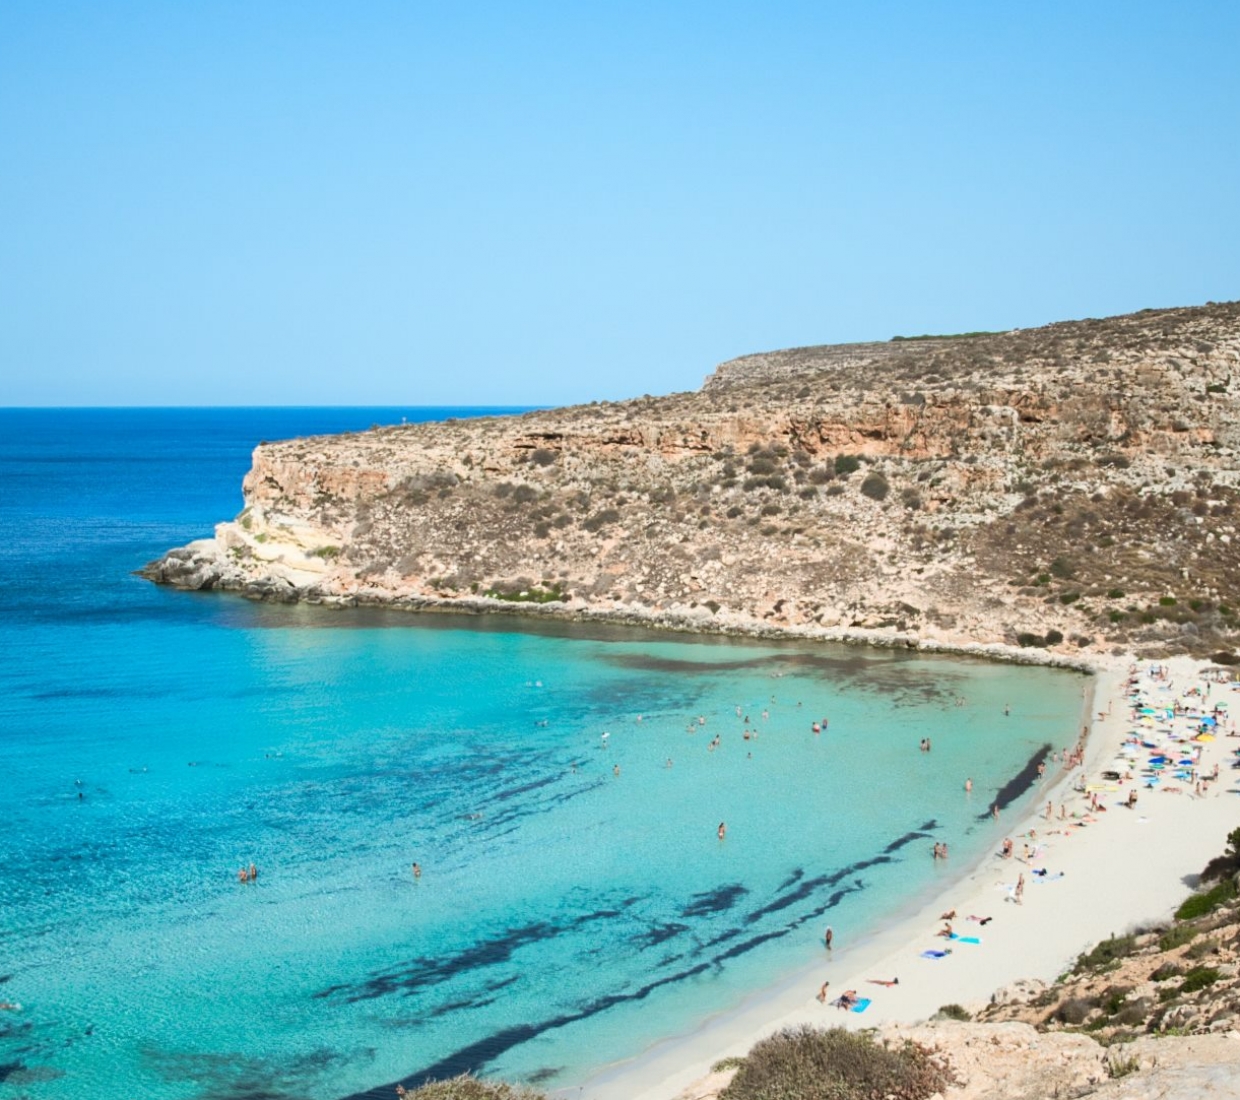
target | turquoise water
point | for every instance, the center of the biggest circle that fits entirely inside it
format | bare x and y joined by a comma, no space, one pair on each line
153,742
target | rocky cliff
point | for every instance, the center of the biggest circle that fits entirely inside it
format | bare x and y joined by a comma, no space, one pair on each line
1068,487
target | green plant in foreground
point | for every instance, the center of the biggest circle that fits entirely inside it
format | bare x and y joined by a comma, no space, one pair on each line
810,1064
954,1012
466,1087
1120,1066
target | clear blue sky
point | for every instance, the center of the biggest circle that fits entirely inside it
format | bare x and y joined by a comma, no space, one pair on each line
416,203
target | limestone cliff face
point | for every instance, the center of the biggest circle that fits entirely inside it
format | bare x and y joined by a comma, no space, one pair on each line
970,488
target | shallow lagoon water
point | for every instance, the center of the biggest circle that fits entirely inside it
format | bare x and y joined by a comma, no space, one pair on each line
566,916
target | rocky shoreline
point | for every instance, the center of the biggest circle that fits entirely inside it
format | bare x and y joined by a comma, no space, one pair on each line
1070,490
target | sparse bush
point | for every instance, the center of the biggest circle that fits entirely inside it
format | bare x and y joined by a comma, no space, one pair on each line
466,1087
1167,971
820,475
847,464
1177,936
1053,637
726,1064
1073,1011
1107,954
835,1065
1062,569
543,457
1199,978
601,519
875,486
954,1012
523,494
327,553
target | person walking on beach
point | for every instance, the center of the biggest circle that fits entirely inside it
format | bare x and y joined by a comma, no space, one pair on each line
1019,893
822,993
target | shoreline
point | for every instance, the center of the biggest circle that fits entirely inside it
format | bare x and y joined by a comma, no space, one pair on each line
674,620
1124,868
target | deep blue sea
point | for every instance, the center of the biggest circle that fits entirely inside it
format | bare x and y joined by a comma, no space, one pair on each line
557,785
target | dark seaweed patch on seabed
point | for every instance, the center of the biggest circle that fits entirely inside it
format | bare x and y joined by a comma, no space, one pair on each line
1019,783
718,900
921,833
476,1055
423,972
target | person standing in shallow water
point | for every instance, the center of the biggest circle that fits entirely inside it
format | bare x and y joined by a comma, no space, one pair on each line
829,938
723,830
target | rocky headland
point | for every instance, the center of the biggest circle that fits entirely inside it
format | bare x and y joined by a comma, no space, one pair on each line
1069,490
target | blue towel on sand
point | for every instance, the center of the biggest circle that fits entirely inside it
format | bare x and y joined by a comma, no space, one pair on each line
934,954
862,1005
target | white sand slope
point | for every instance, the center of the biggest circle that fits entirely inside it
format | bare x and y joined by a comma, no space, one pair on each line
1117,868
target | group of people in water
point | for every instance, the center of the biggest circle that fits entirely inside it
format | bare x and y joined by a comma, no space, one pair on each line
248,874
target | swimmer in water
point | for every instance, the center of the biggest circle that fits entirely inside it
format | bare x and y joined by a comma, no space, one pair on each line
968,786
417,870
723,830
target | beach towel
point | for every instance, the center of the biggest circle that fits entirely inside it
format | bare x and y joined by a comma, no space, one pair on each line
935,954
965,939
861,1005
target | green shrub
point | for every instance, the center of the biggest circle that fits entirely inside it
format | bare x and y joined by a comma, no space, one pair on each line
1166,601
1199,978
954,1012
875,486
1062,569
1106,954
523,494
808,1064
472,1088
327,553
1200,904
1053,637
543,457
1069,597
1201,949
1177,936
847,464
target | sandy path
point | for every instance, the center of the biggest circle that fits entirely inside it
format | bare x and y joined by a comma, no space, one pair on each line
1128,867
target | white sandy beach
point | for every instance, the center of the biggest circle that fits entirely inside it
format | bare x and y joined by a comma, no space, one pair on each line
1120,868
